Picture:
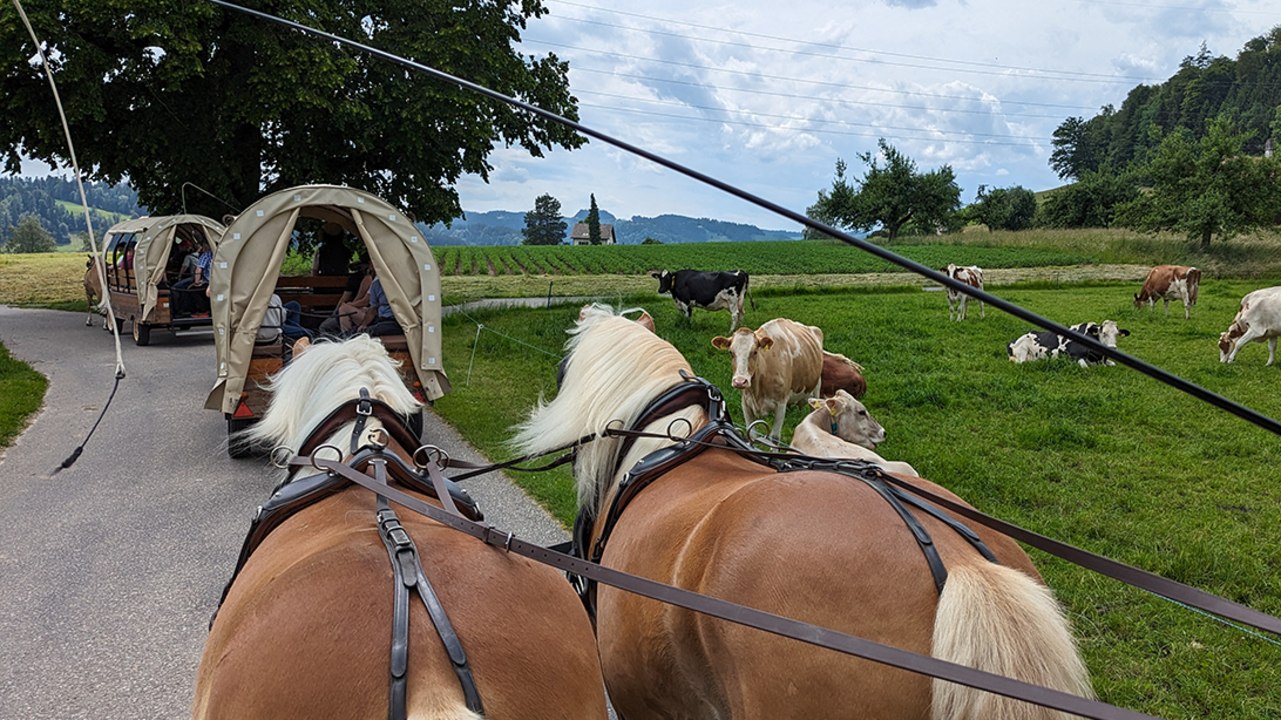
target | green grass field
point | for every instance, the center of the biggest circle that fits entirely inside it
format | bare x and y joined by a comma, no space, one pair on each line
1103,457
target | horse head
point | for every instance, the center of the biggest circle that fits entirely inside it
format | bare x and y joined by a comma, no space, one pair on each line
322,378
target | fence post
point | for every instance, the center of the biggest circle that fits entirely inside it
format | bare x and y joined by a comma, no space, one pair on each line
549,292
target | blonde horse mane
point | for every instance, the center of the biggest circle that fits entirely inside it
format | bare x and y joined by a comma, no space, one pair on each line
322,378
615,367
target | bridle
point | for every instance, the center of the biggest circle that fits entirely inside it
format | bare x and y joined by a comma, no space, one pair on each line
375,457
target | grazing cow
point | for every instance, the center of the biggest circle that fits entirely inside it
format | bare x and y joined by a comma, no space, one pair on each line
841,373
840,427
93,293
707,290
1040,345
972,276
778,365
1166,282
1259,319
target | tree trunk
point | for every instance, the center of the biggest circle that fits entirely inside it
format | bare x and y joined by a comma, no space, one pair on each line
1205,239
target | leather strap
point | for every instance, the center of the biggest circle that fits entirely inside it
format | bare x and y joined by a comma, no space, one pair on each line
768,622
407,570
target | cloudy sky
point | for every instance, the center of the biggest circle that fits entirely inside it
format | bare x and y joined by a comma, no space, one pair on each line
767,95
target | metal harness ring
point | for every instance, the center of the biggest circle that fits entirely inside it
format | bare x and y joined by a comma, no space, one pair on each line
281,455
671,433
426,451
315,453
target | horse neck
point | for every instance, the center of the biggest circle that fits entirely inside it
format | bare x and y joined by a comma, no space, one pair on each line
604,479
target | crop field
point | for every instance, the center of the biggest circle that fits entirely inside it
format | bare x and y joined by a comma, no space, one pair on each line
761,258
1103,458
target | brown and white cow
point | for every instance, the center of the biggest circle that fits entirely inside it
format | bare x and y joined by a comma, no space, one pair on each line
1170,282
972,276
1258,319
841,373
841,427
778,365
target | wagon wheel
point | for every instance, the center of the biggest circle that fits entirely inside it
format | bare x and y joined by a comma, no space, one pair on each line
141,333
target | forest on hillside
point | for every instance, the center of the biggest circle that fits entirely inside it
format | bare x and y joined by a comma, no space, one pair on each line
40,197
1245,90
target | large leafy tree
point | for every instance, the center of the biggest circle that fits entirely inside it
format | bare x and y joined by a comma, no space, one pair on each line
890,195
30,237
1091,201
543,224
166,93
1207,187
1012,208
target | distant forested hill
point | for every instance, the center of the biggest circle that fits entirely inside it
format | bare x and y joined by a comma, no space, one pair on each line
501,227
1246,89
42,197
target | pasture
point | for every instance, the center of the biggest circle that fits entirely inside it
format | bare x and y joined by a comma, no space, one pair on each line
1103,458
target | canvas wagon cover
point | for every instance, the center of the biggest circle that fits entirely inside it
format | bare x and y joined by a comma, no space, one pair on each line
253,248
155,237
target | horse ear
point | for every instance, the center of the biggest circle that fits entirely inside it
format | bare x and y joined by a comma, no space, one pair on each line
301,346
646,321
582,314
720,343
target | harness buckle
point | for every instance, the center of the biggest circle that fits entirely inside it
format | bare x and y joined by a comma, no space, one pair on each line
366,405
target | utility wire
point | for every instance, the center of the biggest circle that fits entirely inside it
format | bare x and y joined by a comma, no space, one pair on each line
1245,413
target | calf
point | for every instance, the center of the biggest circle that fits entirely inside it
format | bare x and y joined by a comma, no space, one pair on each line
1040,345
707,290
778,365
841,373
972,276
1258,319
840,427
1168,282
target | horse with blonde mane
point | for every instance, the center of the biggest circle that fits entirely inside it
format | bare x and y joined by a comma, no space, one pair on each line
816,546
306,627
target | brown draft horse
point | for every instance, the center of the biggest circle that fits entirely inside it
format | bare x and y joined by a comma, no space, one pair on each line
814,546
306,627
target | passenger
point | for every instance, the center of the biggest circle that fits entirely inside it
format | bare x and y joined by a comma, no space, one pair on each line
354,300
125,261
281,319
332,254
186,292
379,319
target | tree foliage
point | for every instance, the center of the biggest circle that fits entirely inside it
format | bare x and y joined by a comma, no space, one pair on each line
1246,90
593,223
891,196
543,224
1206,187
1011,208
170,92
30,237
1091,201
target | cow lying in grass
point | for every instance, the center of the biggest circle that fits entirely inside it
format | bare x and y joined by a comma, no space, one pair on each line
841,373
841,427
1041,345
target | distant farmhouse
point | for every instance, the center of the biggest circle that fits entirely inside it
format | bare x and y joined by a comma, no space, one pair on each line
579,235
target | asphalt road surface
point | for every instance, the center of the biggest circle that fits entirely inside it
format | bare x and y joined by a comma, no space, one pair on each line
110,570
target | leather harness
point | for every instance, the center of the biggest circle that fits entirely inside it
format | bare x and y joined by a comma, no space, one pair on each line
292,495
720,433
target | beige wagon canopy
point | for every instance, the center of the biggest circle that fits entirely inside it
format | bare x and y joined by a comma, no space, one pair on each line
253,248
156,237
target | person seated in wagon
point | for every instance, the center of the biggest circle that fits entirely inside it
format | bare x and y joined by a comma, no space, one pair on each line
379,319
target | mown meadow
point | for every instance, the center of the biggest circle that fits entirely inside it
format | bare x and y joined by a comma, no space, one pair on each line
1104,457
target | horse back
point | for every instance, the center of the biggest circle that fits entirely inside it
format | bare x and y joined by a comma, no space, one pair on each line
812,546
305,630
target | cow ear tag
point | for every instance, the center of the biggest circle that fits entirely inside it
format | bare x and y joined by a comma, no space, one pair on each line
815,403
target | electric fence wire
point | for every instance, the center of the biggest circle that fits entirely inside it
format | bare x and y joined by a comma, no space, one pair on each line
93,242
1258,419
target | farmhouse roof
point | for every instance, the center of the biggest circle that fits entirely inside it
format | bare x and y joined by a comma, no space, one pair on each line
581,233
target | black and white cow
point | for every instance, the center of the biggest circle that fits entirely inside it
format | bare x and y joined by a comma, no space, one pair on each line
707,290
1040,345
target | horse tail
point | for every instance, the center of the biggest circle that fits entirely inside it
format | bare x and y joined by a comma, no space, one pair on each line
999,620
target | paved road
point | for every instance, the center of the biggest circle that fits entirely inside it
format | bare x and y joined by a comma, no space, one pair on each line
110,570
